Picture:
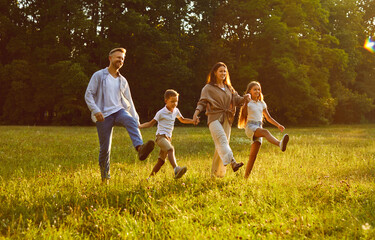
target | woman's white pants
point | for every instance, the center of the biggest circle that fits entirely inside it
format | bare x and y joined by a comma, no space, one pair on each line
223,153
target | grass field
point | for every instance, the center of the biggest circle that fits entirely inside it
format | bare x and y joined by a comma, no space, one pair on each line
322,187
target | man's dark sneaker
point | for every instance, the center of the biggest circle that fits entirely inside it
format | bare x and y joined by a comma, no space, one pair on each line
145,149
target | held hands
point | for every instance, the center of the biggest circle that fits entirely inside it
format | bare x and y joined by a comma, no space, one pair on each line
247,97
99,117
196,121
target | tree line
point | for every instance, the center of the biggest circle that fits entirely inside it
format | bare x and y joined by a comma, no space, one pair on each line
307,54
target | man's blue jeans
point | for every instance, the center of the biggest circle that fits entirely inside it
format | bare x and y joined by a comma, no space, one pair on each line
105,130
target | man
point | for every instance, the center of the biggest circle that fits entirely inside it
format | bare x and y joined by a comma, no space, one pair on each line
109,100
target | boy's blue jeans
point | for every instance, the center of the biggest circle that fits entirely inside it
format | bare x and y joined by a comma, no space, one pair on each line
105,130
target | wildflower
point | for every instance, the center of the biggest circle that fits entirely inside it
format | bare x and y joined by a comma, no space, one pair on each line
366,226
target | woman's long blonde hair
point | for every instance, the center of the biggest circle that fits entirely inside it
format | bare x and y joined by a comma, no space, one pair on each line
242,119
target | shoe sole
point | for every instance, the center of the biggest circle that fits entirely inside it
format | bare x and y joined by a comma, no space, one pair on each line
235,169
181,173
285,142
149,146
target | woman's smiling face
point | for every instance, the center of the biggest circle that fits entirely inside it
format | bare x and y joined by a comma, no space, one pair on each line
221,74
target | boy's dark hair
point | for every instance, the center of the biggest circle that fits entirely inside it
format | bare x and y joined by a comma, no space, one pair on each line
170,93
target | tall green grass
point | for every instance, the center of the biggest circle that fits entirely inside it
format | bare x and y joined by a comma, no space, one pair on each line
321,187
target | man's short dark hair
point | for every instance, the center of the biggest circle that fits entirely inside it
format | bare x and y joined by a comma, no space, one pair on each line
123,50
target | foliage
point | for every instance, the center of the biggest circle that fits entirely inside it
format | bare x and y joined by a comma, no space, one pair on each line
299,51
319,188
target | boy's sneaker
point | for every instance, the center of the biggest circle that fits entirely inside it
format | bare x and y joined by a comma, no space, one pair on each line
145,149
236,166
284,141
179,172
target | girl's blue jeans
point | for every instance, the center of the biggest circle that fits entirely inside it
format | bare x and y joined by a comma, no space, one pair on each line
105,130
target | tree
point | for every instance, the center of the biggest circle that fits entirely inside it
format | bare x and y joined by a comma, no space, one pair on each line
351,83
307,52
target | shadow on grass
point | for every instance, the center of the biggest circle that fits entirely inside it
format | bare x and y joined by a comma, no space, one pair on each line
82,201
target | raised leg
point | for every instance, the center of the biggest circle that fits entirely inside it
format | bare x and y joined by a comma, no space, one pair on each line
261,132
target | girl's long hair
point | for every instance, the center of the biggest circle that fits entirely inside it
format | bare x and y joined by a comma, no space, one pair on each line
242,119
211,78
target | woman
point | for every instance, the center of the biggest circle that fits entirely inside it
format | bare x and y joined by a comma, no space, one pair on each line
219,99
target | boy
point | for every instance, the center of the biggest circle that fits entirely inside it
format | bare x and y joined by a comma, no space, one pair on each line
166,118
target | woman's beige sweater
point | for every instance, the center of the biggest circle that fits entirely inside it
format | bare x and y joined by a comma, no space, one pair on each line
219,103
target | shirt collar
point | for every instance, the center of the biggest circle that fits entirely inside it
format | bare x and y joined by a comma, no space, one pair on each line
251,100
167,110
107,72
225,86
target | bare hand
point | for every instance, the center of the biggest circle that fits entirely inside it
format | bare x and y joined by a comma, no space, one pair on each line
99,117
247,97
281,128
196,121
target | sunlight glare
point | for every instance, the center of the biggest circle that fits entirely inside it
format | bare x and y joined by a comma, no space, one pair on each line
370,45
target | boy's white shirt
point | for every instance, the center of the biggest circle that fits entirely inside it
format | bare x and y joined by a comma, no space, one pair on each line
94,94
166,119
255,110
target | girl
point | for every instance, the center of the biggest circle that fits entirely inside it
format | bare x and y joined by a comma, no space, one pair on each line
251,116
219,100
